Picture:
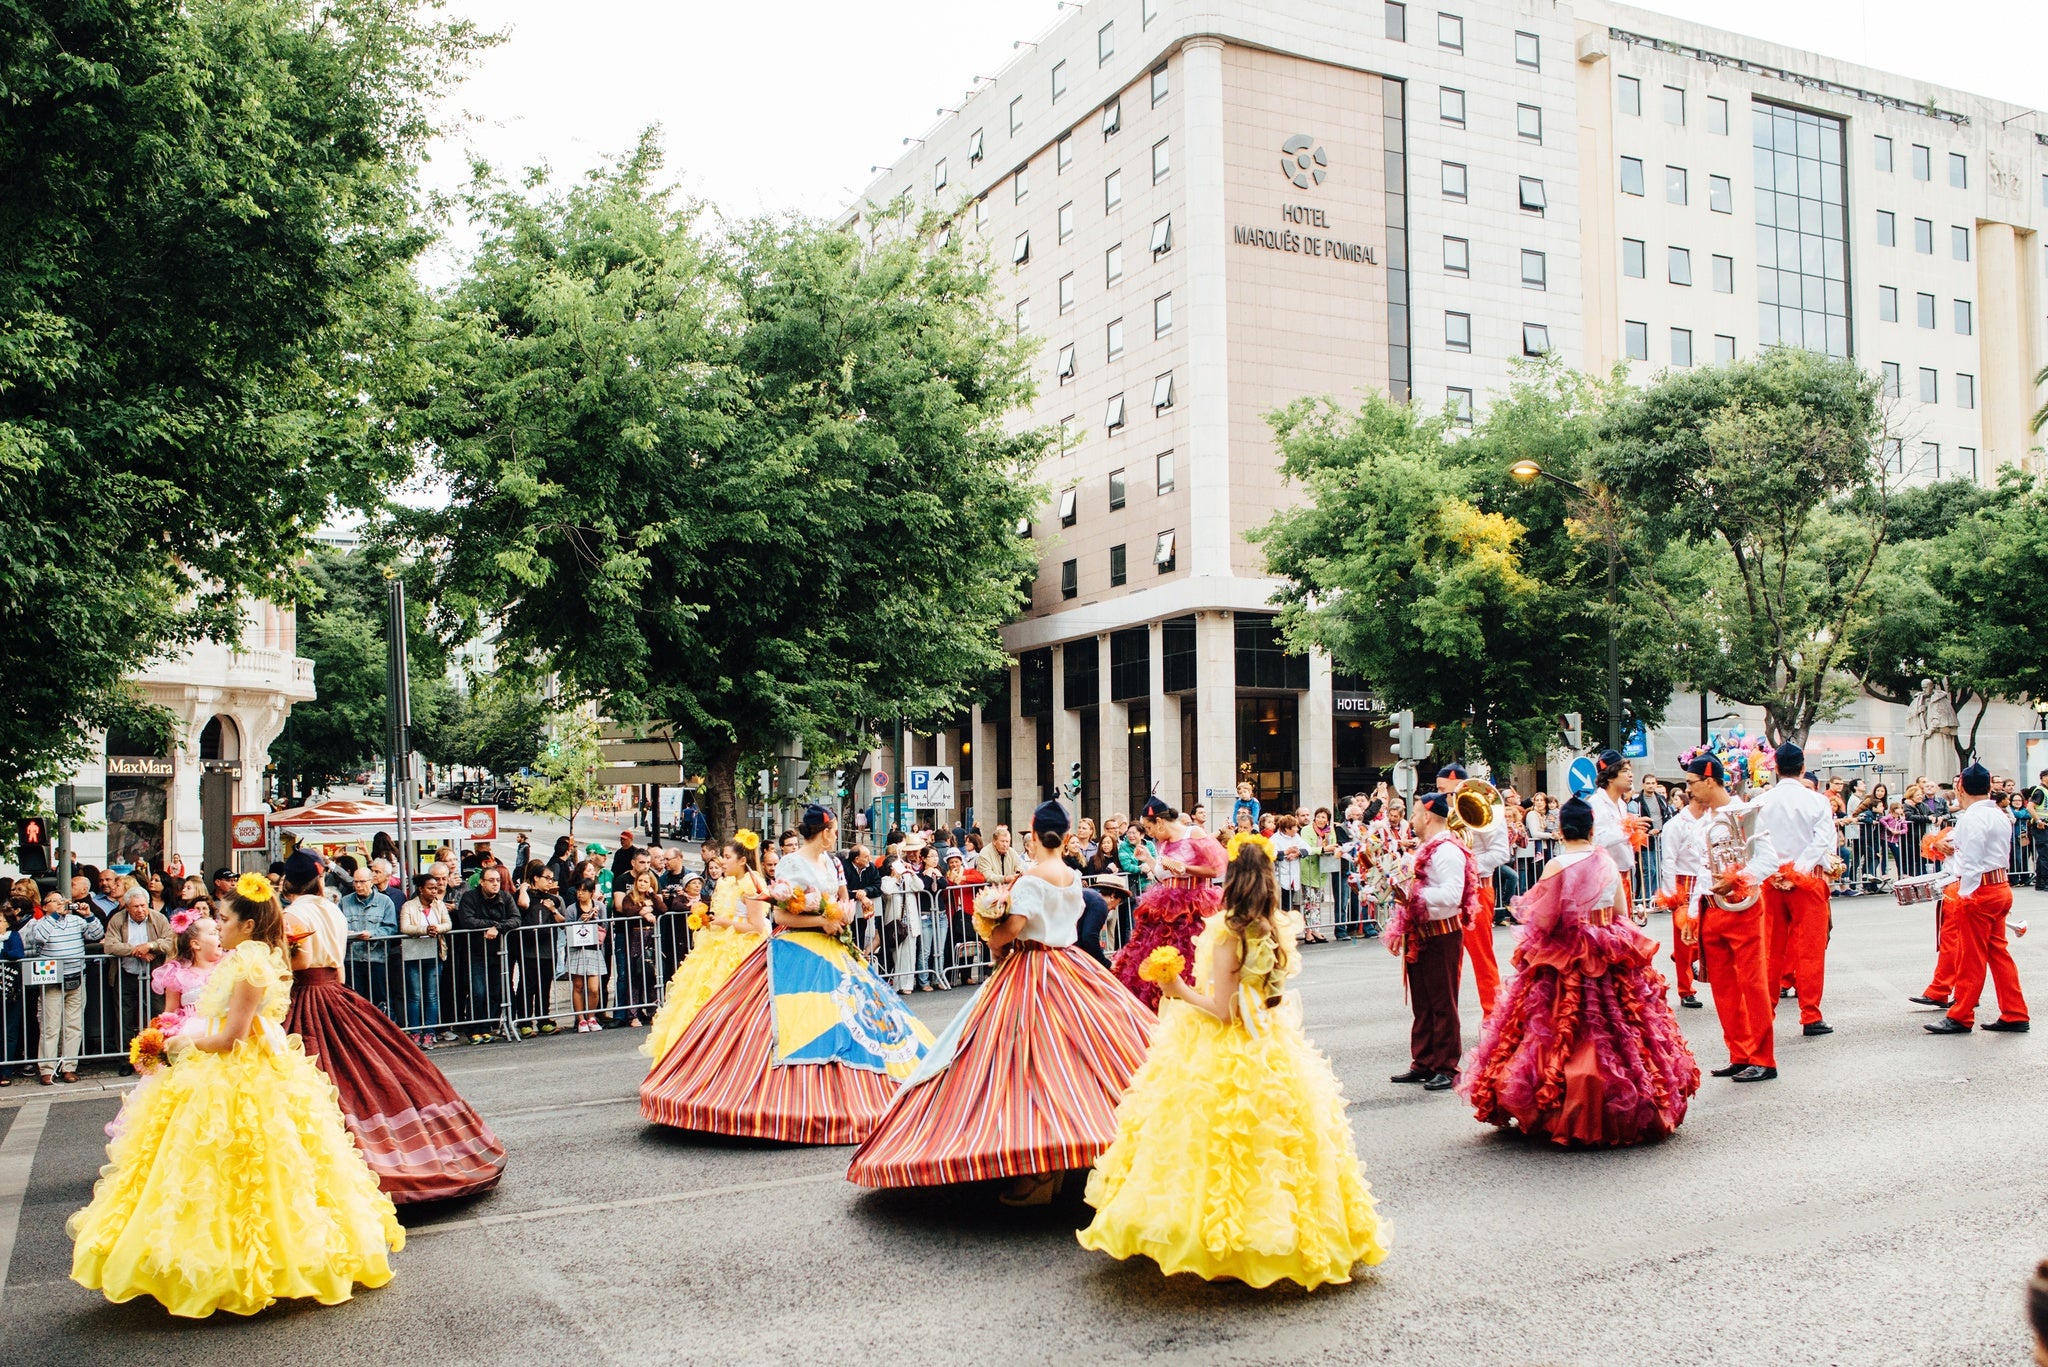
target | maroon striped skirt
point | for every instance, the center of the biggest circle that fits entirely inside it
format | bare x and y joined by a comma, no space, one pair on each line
1041,1061
417,1134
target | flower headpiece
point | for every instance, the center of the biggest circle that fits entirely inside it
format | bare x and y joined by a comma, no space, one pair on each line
182,921
747,840
254,887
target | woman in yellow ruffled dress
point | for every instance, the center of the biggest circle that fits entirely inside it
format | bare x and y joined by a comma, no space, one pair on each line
1233,1156
735,926
233,1182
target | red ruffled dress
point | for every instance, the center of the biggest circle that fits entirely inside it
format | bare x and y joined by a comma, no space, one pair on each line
1582,1047
1171,913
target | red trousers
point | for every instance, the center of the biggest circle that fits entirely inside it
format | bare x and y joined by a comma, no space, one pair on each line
1947,945
1735,948
1681,952
1479,947
1797,919
1981,947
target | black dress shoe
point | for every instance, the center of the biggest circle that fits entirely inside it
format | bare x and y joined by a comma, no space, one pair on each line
1755,1073
1947,1025
1785,992
1693,1002
1820,1028
1929,1001
1412,1075
1730,1071
1438,1082
2007,1027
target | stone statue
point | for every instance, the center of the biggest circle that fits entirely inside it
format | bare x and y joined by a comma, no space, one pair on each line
1933,724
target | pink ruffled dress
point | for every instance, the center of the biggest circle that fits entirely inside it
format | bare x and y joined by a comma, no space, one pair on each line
1171,913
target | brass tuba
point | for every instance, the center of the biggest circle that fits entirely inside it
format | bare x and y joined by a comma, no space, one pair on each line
1473,804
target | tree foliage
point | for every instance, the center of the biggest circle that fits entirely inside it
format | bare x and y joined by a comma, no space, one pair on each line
564,778
209,215
757,483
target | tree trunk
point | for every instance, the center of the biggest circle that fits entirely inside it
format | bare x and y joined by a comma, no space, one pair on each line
721,783
1967,750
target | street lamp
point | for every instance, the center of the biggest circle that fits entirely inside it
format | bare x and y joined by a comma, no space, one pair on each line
1524,471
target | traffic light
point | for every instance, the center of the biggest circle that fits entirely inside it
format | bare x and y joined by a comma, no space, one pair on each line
794,771
33,843
1574,733
1074,778
1411,742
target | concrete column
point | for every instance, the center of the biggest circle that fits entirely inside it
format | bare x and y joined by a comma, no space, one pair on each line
185,833
2006,386
1216,723
1066,728
1114,764
985,790
1023,754
1599,246
1316,763
1164,723
1205,388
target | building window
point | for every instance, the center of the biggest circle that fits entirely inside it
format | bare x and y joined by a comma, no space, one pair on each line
939,175
1887,228
1063,153
1147,12
1895,456
1535,339
1113,413
1059,81
1067,293
1162,552
1450,32
1458,331
1116,490
1717,115
1397,21
1535,270
1966,461
1681,346
1113,264
1023,315
1162,316
1881,149
1162,393
1930,457
1020,250
981,214
1674,185
1632,175
1724,275
1070,578
1461,406
1454,181
1923,236
1016,115
1118,571
974,147
1802,231
1105,43
1533,199
1674,106
1924,313
1066,220
1629,94
1529,122
1966,391
1450,105
1159,86
1930,385
1528,51
1457,256
1112,191
1892,385
1070,506
1923,163
1959,243
1724,348
1112,118
1887,304
1063,368
1114,338
1162,473
1678,265
1635,340
1020,184
1963,321
1162,235
1162,160
1632,259
1958,171
1720,195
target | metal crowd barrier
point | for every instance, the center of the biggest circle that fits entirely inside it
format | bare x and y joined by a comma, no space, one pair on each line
110,1003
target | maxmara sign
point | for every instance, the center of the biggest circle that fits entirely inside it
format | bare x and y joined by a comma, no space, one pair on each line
1304,228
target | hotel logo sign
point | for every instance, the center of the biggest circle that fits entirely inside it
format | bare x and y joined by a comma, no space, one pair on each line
1303,162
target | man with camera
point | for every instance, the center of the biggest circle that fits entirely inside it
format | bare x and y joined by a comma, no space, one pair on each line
53,946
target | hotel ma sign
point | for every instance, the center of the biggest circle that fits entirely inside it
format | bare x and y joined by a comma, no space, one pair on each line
1304,162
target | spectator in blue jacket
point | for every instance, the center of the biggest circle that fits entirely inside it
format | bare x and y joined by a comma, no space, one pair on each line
372,929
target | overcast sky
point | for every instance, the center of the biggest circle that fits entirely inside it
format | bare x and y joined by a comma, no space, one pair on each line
785,104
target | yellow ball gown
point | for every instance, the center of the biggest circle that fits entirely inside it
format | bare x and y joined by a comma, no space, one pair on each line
1233,1156
715,955
233,1182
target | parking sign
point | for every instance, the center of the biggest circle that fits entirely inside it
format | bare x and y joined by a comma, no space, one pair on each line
930,786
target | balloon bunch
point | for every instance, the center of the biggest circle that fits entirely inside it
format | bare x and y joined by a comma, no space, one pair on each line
1751,761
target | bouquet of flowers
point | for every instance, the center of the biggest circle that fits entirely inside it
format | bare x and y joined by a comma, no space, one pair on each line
1162,965
1382,866
991,905
150,1048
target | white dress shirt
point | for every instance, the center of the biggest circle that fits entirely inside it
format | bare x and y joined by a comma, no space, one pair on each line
1608,832
1489,845
1763,856
1052,916
1442,881
1684,853
1801,823
1982,837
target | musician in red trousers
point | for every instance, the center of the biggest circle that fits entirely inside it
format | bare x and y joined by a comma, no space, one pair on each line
1489,847
1734,946
1801,824
1978,902
1682,865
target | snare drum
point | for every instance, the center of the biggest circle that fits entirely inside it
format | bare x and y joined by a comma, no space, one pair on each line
1926,887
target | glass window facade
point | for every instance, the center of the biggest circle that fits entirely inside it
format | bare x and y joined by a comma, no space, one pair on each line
1801,230
1262,660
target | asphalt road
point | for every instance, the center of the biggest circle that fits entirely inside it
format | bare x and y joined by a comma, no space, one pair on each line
1882,1202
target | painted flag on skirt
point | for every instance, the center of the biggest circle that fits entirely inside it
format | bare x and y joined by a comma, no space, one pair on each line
830,1007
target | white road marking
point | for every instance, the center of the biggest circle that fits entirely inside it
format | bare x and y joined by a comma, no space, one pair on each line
636,1203
17,1159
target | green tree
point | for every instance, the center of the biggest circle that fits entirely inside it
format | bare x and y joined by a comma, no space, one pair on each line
758,484
207,227
564,779
1993,571
1759,486
497,724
